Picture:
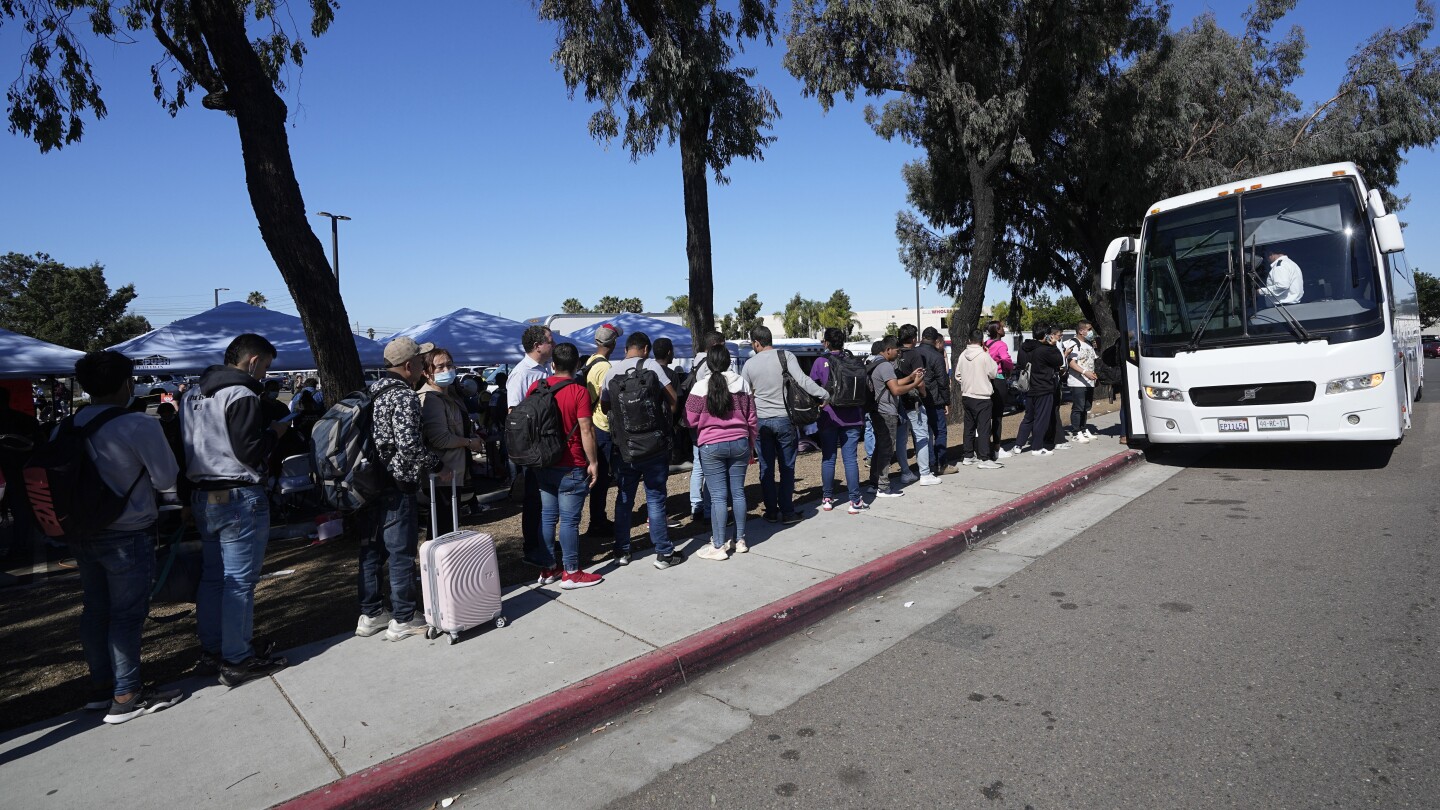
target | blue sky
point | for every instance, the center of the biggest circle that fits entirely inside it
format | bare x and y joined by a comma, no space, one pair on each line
447,135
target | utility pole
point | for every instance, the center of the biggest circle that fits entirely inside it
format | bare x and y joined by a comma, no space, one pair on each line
219,290
334,240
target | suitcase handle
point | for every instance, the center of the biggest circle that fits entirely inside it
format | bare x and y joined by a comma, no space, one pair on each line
454,505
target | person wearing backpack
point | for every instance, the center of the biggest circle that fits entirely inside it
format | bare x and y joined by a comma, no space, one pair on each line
594,372
538,342
888,389
1044,362
841,426
1000,353
770,372
912,412
133,462
723,414
388,525
227,444
565,483
1080,376
936,400
639,399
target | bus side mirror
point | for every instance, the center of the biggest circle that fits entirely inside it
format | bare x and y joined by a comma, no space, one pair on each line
1118,246
1388,235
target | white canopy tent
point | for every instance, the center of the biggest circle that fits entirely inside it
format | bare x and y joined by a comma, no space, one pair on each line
473,338
31,357
198,342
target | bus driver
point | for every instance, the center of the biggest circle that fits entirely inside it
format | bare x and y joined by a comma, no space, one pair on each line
1285,284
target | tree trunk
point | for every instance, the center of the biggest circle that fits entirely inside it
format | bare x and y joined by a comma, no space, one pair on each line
694,129
275,195
966,316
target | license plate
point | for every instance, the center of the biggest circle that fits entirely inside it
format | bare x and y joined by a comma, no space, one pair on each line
1234,425
1272,423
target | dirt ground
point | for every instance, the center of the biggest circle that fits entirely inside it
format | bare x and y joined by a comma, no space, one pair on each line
308,593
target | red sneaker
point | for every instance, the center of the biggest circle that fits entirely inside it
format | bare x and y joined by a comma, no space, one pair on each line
549,575
579,579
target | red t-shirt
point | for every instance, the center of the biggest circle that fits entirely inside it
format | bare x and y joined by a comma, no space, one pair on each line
574,402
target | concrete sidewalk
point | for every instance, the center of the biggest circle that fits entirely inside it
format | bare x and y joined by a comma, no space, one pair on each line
367,722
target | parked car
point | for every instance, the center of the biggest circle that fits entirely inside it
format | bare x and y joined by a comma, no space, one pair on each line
1430,347
148,385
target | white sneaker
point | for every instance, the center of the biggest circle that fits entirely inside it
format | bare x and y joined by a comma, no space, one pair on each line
1043,452
930,480
397,631
1062,445
968,461
896,494
740,546
710,552
1002,453
989,465
1091,435
370,625
1081,438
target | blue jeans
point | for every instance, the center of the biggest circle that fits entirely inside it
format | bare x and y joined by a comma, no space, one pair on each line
604,450
697,482
653,471
935,419
915,419
562,496
1080,399
869,437
388,529
777,448
115,573
234,529
725,464
845,439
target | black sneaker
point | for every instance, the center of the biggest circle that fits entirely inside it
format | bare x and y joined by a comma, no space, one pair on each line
674,522
148,701
207,664
771,517
663,561
622,558
99,698
232,675
790,518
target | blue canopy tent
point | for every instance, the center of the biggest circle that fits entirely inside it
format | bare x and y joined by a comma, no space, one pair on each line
199,341
629,324
473,338
31,357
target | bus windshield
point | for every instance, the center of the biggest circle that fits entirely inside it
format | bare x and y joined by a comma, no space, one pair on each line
1231,270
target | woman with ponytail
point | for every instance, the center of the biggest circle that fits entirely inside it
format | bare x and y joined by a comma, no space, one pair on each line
722,411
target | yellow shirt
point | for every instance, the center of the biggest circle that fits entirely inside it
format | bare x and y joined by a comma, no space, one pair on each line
594,377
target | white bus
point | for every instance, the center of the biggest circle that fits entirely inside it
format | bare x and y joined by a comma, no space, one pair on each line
1278,308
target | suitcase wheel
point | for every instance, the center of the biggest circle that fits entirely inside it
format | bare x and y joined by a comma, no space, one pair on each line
500,621
451,638
431,634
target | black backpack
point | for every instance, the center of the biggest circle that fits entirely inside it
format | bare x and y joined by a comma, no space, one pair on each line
802,407
67,495
849,381
905,365
534,433
640,426
348,467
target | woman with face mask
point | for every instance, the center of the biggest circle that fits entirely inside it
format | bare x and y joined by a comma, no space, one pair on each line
447,430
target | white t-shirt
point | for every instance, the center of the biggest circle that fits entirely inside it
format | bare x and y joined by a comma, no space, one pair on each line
1083,355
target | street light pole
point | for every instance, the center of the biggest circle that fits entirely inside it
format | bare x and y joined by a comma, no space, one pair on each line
219,290
334,239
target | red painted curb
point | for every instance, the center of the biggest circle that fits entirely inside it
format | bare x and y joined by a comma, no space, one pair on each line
464,755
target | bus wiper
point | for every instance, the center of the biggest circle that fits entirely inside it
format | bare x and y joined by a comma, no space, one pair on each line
1283,309
1210,313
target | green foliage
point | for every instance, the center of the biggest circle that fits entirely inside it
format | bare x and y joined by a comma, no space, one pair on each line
800,318
570,306
745,318
838,313
1064,312
891,328
1428,288
651,66
69,306
47,102
679,305
612,303
257,299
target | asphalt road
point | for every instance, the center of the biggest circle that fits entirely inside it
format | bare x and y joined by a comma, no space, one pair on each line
1258,631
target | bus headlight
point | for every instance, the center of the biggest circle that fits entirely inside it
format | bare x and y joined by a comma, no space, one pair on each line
1360,383
1165,394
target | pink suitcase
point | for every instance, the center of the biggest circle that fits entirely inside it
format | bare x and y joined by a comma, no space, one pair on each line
459,577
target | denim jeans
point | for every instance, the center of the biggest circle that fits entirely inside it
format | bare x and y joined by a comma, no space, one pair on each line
914,418
604,450
698,490
869,440
388,529
653,471
837,437
777,448
977,428
886,425
936,423
234,529
115,573
1080,399
725,464
562,496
